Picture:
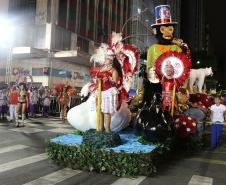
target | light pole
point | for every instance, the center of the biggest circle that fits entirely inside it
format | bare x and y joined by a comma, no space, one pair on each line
6,42
50,54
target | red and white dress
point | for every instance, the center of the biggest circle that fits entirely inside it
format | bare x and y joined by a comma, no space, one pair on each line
109,93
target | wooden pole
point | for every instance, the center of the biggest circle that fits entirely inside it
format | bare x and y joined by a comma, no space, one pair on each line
98,106
173,99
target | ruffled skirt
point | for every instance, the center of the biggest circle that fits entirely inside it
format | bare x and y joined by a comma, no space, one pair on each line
109,100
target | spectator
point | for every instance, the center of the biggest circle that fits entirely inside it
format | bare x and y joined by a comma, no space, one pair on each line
33,102
218,117
5,104
46,103
13,100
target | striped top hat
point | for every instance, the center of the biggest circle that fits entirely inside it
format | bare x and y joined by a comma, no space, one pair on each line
162,16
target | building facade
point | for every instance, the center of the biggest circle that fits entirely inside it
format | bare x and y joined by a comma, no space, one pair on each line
61,35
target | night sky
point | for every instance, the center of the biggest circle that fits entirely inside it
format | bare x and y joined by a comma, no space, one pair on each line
215,16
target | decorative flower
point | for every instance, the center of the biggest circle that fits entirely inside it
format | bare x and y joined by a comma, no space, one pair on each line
185,126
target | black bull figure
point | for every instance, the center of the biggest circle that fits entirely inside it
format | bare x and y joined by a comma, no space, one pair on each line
152,122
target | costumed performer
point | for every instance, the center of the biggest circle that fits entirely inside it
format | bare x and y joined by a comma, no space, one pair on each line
22,102
109,75
63,99
128,62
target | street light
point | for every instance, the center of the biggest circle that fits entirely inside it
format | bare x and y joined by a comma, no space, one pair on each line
6,33
6,41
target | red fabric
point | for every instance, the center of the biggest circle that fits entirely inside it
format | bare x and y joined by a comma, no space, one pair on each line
13,98
201,100
133,55
186,63
94,71
106,82
167,94
104,74
167,84
206,100
126,66
122,96
185,126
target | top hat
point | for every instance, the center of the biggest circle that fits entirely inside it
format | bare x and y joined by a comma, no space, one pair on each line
162,16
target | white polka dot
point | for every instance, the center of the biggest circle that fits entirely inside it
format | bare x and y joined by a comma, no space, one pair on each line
153,128
184,123
206,99
177,120
188,130
189,118
194,124
139,120
176,125
203,107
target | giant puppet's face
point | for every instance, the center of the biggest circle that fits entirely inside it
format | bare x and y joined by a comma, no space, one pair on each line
167,32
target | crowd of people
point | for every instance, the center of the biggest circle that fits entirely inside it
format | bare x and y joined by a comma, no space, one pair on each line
20,102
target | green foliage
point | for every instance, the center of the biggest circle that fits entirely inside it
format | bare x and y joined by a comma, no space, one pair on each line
78,132
101,139
162,148
86,157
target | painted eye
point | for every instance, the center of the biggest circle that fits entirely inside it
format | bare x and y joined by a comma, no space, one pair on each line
162,28
171,28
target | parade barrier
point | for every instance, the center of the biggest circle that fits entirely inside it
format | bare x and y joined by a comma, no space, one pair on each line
131,158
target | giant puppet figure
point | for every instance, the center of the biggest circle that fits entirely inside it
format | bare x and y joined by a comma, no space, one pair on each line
169,58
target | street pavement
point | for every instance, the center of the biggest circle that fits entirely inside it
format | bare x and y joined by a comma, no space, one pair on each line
23,160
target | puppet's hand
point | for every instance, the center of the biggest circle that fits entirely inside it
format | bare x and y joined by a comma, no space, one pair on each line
178,42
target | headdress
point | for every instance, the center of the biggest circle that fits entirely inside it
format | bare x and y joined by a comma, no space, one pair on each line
110,54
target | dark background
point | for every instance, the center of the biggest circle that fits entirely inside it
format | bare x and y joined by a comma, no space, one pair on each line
211,33
215,15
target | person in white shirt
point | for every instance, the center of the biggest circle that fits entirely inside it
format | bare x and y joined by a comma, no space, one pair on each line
46,103
218,117
33,102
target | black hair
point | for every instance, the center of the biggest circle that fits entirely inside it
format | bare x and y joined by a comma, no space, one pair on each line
217,96
117,66
24,84
159,37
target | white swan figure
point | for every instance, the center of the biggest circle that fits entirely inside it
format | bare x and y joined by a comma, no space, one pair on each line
83,118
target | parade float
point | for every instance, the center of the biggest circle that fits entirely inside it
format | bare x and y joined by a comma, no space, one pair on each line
168,114
94,147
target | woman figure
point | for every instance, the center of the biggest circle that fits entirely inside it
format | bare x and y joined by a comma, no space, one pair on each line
109,74
63,99
22,102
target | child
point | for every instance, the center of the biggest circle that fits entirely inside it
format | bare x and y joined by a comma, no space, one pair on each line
218,117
